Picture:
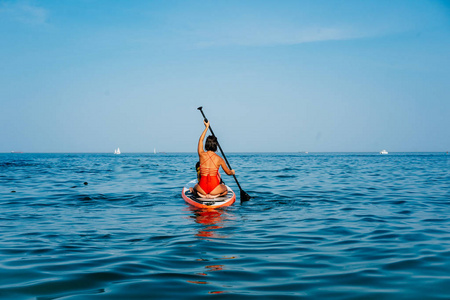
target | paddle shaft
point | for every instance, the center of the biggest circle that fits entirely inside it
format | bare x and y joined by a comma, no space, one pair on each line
220,148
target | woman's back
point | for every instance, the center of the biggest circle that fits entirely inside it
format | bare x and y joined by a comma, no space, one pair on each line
209,164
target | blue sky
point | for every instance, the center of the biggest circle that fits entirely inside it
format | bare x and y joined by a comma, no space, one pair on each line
90,76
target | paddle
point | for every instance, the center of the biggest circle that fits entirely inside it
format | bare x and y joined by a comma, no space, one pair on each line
244,195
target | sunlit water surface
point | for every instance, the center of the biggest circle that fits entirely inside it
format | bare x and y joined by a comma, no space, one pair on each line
337,226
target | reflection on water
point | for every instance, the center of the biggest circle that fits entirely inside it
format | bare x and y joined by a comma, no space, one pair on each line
211,221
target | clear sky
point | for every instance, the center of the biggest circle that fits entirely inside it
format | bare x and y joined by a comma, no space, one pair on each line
90,76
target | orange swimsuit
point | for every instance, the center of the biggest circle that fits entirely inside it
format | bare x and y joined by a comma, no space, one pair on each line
209,178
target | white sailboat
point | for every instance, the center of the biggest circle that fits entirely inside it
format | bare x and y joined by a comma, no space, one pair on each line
383,152
154,150
117,151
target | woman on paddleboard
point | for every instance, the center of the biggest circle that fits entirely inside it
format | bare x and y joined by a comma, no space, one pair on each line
209,185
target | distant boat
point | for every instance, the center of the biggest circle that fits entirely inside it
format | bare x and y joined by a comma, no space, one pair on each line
117,151
383,152
154,150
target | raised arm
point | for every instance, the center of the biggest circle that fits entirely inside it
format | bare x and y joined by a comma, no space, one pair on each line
202,137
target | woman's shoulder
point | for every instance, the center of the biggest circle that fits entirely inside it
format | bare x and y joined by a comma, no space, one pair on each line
207,154
213,155
217,157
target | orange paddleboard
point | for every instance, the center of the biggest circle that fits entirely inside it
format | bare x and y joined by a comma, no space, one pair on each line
199,202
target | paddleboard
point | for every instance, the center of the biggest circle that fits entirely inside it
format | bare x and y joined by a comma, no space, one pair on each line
199,202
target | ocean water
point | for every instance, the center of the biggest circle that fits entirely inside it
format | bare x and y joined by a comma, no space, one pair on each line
319,226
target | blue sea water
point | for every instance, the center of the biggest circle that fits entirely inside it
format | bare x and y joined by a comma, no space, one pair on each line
319,226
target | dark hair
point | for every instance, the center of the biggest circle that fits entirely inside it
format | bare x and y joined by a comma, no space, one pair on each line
211,143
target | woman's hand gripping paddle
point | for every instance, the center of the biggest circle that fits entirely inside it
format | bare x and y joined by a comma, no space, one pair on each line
244,195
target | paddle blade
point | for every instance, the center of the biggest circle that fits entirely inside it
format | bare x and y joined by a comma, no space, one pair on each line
245,196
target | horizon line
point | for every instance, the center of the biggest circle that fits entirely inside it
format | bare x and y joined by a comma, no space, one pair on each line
194,152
